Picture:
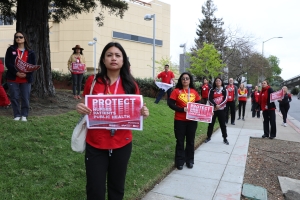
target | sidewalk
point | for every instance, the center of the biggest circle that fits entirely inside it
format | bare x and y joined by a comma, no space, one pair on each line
218,171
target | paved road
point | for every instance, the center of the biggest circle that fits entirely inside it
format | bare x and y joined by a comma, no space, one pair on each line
294,110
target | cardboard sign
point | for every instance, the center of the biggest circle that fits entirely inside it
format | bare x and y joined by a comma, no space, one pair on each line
78,67
115,112
24,66
199,112
276,95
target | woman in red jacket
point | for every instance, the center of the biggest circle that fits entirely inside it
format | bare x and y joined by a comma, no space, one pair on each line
268,111
4,101
242,94
255,104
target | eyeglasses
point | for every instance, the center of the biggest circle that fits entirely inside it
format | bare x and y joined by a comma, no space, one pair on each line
185,78
20,37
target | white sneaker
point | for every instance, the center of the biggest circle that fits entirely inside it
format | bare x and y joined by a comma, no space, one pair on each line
24,119
282,124
17,118
285,125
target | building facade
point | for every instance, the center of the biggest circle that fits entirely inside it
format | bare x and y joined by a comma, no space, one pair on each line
132,32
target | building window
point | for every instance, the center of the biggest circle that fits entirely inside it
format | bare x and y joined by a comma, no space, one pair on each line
136,38
6,21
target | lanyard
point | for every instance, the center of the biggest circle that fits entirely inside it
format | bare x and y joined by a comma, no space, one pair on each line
116,88
188,96
21,54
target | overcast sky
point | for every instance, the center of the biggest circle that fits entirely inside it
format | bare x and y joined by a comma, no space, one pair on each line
263,19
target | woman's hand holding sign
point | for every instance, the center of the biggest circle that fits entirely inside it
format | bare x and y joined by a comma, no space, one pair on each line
81,108
145,111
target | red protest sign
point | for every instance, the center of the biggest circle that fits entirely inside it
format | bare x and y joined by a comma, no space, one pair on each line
276,95
24,66
78,67
199,112
115,111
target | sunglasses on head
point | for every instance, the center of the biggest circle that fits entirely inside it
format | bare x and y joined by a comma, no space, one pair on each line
20,37
185,78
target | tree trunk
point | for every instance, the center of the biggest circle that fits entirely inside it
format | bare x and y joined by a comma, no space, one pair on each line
32,18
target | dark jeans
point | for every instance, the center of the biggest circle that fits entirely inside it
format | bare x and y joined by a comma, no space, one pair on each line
284,109
99,165
255,110
161,93
221,117
230,105
77,80
184,130
269,117
242,104
17,91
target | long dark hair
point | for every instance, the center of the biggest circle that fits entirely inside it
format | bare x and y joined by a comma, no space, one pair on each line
128,81
179,83
214,84
74,51
26,42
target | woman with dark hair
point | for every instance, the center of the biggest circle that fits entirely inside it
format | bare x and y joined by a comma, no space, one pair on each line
106,155
284,105
268,110
242,94
217,98
77,75
204,91
183,93
19,83
255,102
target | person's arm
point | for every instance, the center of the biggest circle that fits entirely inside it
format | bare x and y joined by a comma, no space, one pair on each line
10,61
225,94
172,105
69,63
211,98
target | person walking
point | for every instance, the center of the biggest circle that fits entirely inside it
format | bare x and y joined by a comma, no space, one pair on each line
77,75
255,102
4,100
231,101
204,90
242,96
106,155
184,129
166,76
19,83
217,98
268,111
284,105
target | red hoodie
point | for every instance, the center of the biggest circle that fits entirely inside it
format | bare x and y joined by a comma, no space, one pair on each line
264,99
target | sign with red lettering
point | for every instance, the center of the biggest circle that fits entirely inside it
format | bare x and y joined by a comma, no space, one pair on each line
199,112
115,111
276,96
24,66
78,67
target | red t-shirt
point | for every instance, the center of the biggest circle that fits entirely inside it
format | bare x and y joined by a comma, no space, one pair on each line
230,90
101,138
240,92
181,98
166,77
205,91
24,58
256,96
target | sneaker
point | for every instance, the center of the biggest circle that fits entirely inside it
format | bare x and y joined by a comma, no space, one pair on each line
226,141
282,124
264,136
17,118
239,118
207,140
285,125
243,119
24,119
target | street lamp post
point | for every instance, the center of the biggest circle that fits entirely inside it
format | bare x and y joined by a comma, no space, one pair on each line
93,43
149,17
183,46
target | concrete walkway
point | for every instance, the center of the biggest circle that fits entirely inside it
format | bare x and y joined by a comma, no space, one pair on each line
218,171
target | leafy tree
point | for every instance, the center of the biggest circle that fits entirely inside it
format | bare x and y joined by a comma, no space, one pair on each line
274,64
210,28
206,62
32,17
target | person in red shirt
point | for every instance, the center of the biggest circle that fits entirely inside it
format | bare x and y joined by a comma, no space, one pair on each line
268,111
166,76
107,154
183,93
255,102
231,100
204,90
4,101
217,98
242,94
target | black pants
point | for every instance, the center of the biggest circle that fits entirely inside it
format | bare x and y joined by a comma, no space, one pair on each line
242,104
99,165
284,109
221,117
161,93
255,110
269,117
184,130
77,80
230,105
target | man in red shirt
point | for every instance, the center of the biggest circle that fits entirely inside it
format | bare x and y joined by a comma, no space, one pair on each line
204,91
232,97
166,76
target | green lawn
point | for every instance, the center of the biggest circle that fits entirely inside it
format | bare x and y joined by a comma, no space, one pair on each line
36,160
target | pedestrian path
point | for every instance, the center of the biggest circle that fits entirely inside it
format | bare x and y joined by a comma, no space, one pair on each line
219,169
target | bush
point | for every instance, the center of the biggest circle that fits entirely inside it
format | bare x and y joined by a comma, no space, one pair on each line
147,87
295,91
